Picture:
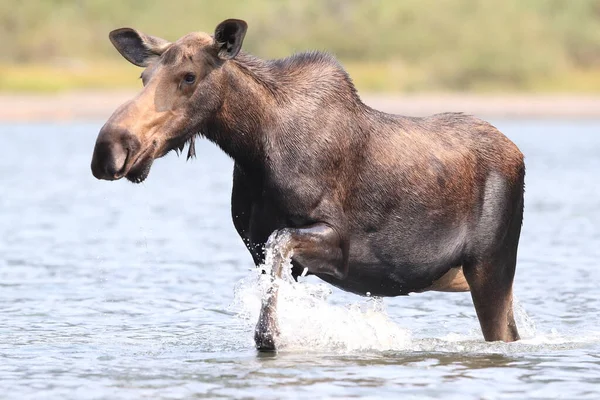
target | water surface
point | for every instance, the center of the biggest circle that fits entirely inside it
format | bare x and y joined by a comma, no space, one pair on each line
114,290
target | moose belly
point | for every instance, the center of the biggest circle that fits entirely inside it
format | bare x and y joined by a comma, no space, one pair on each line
375,280
403,269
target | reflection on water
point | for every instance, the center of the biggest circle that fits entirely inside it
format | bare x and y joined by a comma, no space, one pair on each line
111,290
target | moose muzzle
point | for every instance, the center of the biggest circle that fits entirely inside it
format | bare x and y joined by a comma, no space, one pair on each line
114,152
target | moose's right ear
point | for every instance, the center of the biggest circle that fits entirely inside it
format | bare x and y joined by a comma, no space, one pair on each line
137,48
229,36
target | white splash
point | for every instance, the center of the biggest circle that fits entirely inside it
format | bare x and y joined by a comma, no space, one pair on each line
309,322
525,323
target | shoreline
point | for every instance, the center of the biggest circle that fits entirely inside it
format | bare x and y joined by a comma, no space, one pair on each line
81,105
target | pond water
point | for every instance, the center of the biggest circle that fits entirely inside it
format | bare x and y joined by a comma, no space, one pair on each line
114,290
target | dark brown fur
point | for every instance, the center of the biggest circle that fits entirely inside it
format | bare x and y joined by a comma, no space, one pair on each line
371,202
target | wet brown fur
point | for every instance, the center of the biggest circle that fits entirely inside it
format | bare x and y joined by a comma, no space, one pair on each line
414,202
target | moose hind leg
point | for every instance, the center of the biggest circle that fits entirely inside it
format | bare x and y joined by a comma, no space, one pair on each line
491,289
318,248
490,273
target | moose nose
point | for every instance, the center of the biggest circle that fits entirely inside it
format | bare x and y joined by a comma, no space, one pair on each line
113,149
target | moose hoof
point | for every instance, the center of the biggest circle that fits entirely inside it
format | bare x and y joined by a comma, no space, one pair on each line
265,341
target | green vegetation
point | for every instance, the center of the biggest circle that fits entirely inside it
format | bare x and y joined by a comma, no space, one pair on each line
387,45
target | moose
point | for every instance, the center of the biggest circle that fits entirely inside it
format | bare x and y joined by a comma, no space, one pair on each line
367,201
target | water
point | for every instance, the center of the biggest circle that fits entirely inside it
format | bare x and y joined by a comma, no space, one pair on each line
112,290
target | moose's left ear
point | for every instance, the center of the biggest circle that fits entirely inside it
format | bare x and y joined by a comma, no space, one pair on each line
229,36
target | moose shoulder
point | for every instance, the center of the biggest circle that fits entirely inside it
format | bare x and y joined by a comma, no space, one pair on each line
367,201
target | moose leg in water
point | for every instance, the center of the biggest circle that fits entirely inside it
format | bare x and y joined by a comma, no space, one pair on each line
318,248
491,268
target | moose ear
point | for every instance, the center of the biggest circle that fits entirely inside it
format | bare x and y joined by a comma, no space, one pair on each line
229,36
137,48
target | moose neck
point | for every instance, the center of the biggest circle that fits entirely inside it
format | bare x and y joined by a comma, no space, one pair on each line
239,126
261,99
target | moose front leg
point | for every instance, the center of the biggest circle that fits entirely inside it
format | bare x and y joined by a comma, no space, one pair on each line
319,248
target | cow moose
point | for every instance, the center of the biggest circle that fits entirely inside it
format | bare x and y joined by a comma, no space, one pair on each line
366,201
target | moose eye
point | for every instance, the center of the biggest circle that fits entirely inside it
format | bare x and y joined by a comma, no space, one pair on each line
189,78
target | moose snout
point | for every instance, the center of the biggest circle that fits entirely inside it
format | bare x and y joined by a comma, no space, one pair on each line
114,148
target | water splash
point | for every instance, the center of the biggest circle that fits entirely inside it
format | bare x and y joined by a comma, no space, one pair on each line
525,323
309,322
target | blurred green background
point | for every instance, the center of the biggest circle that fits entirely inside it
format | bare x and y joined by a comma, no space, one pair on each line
550,46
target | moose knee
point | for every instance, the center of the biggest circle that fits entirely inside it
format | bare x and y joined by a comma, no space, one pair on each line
316,247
